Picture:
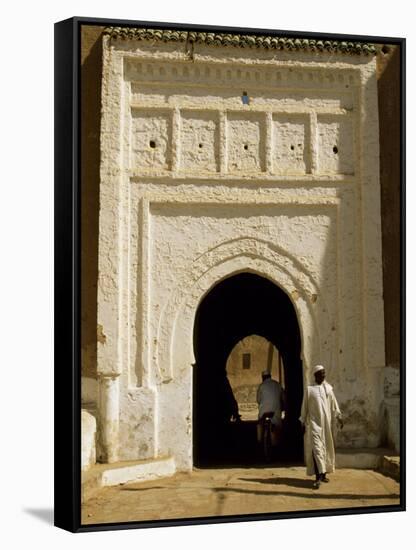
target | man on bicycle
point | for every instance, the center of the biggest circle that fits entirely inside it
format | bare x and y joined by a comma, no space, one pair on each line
272,402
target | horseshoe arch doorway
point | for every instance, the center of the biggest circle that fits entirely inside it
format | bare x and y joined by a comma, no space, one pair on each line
235,308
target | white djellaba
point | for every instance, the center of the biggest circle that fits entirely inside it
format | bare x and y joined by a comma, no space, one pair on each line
319,413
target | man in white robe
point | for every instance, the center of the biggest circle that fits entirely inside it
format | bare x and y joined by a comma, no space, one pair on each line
319,413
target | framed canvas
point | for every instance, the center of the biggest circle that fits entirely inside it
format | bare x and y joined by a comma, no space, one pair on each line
229,274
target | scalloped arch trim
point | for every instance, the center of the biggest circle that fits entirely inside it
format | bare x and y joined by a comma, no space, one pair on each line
244,254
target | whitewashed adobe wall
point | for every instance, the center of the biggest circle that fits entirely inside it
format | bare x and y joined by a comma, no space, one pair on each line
217,160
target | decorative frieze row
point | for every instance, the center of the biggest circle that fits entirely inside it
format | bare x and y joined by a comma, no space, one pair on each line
199,141
224,74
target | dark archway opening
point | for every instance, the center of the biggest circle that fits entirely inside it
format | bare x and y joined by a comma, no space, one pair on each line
236,307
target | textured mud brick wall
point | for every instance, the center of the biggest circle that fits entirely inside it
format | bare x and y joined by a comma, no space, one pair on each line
191,158
388,65
91,72
388,62
161,137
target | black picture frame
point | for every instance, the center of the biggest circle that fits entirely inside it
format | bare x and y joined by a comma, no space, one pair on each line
68,273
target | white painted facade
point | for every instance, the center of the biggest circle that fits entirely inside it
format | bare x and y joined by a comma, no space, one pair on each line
199,183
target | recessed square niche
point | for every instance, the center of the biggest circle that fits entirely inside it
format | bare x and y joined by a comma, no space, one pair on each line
335,144
245,142
199,141
151,137
291,144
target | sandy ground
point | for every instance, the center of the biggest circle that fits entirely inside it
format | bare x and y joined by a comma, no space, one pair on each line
233,491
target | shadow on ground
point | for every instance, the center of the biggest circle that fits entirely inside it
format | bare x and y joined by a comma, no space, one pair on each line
316,494
291,481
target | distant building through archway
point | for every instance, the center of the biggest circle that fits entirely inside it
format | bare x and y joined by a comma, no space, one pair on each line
248,359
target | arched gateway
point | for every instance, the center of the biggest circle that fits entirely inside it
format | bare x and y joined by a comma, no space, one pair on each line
237,307
239,194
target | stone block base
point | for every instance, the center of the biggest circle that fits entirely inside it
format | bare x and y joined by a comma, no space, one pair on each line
105,475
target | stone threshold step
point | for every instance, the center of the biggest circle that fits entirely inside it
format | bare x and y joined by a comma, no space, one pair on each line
107,475
390,466
366,459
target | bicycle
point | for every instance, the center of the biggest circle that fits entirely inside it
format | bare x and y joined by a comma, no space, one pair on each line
268,437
